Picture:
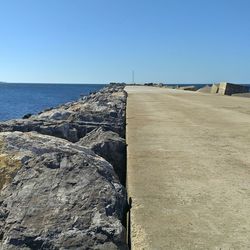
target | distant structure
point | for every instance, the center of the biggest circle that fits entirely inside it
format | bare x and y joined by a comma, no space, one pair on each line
154,84
215,88
226,88
118,83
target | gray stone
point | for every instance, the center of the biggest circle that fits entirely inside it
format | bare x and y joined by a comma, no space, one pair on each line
57,195
110,146
74,120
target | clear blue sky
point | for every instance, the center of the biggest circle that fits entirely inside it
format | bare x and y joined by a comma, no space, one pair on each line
98,41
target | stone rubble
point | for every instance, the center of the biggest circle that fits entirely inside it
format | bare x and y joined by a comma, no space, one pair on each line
58,194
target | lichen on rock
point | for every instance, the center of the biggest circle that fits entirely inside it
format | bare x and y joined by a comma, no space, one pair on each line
9,165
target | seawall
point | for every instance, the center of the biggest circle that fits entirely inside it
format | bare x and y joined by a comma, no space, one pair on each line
62,176
188,169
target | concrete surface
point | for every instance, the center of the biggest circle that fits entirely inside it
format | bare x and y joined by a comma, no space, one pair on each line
226,88
215,88
188,169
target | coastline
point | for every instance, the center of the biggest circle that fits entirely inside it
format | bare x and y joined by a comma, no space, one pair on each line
19,99
63,174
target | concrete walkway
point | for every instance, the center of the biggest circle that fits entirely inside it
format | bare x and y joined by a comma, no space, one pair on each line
188,169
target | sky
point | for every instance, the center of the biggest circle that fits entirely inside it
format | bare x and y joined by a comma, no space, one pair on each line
100,41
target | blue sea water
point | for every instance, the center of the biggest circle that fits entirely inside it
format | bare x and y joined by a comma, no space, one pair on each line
18,99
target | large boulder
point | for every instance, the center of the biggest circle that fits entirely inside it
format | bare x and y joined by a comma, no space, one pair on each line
110,146
74,120
57,195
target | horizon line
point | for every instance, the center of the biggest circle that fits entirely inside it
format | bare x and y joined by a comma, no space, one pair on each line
4,82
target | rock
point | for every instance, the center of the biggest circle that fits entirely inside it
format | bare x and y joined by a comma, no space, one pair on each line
27,116
59,115
57,195
110,146
74,120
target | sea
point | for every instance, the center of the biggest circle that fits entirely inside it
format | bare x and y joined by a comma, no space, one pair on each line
19,99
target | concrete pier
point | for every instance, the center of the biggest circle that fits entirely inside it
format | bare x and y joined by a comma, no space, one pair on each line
188,170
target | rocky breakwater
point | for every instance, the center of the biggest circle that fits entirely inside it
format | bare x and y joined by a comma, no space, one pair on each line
61,174
72,121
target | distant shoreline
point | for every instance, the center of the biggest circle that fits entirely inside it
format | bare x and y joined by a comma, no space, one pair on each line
46,83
